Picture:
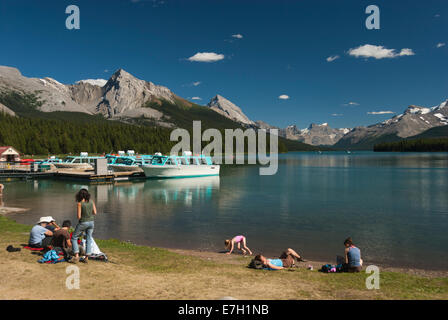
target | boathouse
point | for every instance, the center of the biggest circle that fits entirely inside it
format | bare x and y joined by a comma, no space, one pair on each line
9,154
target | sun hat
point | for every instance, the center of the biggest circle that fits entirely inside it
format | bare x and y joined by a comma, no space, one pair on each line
85,188
51,218
44,219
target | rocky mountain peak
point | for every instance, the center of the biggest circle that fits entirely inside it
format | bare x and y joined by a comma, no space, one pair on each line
412,109
228,109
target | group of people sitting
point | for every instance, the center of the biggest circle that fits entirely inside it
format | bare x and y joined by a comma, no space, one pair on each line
352,261
47,233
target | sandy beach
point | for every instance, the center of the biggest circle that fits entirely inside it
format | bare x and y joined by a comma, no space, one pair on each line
141,272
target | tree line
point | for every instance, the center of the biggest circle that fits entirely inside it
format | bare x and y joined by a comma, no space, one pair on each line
414,145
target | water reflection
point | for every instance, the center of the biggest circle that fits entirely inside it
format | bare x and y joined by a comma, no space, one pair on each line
394,205
166,191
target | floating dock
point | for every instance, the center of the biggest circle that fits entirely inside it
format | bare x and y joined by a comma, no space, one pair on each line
93,177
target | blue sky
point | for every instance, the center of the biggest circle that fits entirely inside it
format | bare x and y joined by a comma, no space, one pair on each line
282,49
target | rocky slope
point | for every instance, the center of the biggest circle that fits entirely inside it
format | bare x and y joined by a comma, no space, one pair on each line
229,110
321,134
122,96
411,122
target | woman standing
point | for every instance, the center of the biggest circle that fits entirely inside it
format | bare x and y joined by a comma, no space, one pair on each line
86,210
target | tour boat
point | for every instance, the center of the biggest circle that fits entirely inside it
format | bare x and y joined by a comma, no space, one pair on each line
81,162
180,166
129,164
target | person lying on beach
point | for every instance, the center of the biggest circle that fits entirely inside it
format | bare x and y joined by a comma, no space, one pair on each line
286,260
238,240
353,261
40,236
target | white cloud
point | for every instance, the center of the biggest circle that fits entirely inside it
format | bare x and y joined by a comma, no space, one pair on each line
283,97
332,58
437,16
196,98
381,112
206,57
196,83
337,114
351,103
238,36
378,52
440,44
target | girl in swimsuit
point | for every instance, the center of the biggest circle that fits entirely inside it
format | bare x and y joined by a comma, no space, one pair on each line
238,240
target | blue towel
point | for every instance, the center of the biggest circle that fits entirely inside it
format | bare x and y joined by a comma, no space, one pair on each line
51,256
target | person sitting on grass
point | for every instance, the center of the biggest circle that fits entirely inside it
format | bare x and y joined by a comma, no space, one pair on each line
353,261
286,260
238,240
40,236
61,239
52,226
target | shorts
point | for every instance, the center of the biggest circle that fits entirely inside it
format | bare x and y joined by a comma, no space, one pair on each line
287,259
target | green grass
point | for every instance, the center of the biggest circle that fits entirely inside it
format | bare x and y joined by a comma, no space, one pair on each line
310,284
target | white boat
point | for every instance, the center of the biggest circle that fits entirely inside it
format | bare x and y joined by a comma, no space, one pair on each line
180,166
127,164
82,162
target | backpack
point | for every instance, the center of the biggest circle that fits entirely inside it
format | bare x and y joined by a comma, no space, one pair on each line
326,268
332,268
255,264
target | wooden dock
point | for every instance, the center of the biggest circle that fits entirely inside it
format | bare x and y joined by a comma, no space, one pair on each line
92,177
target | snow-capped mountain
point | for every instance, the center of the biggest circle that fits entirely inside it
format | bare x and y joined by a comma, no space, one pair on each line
95,82
414,120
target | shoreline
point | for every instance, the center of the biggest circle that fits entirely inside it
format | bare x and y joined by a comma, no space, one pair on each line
222,257
144,272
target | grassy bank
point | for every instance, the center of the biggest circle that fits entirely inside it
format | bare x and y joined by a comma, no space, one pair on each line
140,272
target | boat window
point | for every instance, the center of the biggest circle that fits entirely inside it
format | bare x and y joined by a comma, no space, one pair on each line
76,161
169,161
182,161
157,160
203,161
193,161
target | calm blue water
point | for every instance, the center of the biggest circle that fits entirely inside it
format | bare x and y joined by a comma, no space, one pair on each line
394,205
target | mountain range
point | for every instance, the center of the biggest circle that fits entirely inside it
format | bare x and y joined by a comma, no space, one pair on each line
126,98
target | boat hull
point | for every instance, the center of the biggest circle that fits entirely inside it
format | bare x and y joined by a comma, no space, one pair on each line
173,171
78,166
125,168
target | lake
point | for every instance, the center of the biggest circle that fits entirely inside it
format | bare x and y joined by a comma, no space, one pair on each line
393,205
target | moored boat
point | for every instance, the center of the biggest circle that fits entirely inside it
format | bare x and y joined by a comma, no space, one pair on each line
81,162
180,166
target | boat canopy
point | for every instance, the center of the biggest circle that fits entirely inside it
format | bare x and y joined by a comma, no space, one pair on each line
181,160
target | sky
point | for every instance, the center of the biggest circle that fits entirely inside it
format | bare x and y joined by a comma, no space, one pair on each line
283,62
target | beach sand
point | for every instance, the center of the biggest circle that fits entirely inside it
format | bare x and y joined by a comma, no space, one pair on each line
141,272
